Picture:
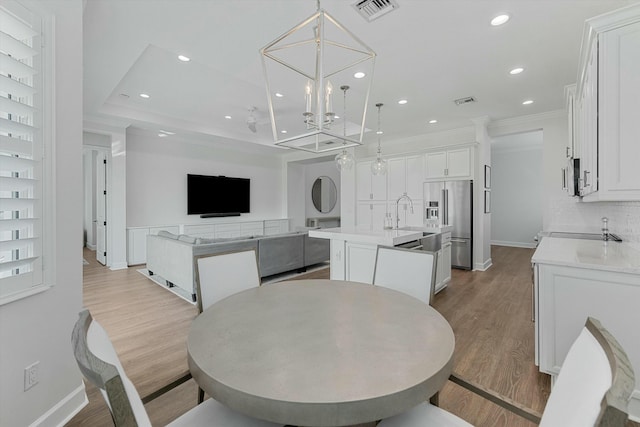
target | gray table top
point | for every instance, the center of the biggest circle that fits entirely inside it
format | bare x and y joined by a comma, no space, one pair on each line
320,352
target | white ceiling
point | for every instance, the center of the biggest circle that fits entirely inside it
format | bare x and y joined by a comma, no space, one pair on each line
428,51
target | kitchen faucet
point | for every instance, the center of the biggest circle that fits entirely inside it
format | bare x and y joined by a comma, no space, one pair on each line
404,196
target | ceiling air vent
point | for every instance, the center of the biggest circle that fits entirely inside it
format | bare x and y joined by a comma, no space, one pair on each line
374,9
467,100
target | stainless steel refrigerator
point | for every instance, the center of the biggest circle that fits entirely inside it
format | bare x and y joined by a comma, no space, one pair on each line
451,203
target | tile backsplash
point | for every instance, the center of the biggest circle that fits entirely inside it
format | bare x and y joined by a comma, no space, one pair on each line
569,214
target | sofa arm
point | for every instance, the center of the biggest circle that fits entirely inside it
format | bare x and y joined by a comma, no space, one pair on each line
316,250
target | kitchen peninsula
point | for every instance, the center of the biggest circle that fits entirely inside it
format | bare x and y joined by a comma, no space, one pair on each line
353,250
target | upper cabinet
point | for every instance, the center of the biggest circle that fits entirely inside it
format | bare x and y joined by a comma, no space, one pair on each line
449,164
405,175
607,107
368,185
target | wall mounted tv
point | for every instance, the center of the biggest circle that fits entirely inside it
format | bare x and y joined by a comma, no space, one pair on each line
211,196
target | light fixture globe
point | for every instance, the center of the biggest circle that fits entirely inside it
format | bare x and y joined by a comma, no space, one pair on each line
308,63
379,167
344,161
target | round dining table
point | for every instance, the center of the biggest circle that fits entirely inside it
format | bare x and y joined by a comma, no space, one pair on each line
320,352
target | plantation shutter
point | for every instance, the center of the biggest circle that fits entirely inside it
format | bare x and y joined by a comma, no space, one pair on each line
21,151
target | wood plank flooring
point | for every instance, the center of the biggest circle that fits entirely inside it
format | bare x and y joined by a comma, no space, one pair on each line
490,313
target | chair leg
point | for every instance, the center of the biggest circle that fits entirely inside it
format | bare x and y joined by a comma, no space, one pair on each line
200,395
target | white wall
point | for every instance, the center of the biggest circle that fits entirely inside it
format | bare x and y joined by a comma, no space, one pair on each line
516,189
157,171
38,328
560,211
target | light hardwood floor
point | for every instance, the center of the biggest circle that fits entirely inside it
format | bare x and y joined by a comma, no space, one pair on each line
490,313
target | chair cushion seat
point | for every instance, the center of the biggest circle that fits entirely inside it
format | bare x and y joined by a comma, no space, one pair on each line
422,415
211,413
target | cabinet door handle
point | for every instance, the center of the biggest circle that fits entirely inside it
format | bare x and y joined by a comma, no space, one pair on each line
459,241
586,181
568,148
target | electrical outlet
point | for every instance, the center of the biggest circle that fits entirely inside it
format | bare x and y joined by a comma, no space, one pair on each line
31,375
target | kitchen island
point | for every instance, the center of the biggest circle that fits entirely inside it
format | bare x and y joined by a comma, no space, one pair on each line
576,278
353,250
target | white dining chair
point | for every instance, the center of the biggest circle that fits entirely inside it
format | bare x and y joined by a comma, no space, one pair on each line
221,275
99,363
410,271
593,389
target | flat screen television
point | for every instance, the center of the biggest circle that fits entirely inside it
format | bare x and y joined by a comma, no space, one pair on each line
210,196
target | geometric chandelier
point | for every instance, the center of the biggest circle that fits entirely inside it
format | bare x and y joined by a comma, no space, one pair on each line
304,70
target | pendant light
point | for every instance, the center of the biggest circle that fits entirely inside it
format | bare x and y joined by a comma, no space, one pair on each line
379,167
305,64
344,160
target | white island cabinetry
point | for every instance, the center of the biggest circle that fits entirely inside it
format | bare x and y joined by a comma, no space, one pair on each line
575,279
353,251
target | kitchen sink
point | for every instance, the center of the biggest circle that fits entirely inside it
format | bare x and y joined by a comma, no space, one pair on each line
584,236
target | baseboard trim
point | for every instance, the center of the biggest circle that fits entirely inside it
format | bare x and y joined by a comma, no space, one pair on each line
119,266
483,266
514,244
63,411
92,247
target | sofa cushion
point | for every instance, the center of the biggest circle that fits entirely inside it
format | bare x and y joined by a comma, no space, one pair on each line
187,239
168,235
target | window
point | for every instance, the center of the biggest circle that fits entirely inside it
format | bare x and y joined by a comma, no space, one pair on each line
21,152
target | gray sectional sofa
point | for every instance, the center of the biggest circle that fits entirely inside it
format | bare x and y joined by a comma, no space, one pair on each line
172,256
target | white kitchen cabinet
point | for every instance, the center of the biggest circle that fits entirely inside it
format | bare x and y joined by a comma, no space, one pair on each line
368,185
443,263
405,175
448,164
619,114
574,279
370,216
607,107
587,126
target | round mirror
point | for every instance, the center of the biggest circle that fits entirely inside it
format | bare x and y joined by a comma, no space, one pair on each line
324,194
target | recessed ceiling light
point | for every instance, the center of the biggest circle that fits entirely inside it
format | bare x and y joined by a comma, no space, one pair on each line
279,95
336,116
359,75
402,101
283,131
516,70
433,121
144,95
227,117
162,135
499,20
184,58
527,102
379,132
166,132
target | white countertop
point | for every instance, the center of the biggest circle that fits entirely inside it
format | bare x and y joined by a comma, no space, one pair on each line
381,237
597,254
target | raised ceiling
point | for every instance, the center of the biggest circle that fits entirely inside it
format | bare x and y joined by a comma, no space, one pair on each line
429,52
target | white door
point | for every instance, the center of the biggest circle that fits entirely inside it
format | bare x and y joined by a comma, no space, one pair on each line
101,207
